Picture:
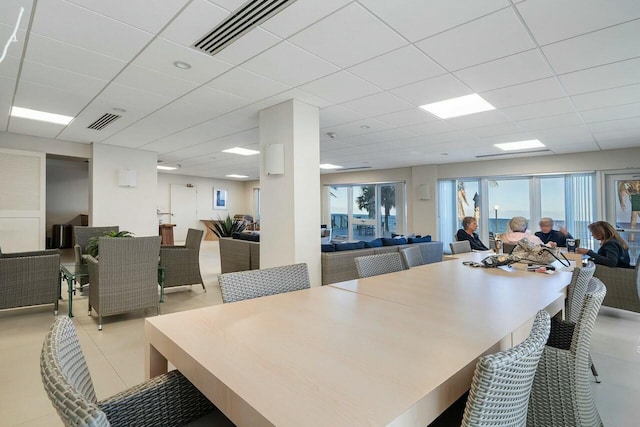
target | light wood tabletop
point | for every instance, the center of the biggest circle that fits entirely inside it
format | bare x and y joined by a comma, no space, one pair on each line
395,349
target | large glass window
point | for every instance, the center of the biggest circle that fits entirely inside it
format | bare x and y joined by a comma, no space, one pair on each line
507,198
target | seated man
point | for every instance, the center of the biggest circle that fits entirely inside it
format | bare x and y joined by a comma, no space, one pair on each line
468,232
553,237
518,226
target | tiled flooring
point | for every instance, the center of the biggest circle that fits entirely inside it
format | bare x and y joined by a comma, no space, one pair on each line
116,356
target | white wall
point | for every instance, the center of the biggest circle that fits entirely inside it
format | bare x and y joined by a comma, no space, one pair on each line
131,208
44,145
67,191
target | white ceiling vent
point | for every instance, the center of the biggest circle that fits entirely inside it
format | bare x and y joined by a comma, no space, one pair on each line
103,121
252,13
515,153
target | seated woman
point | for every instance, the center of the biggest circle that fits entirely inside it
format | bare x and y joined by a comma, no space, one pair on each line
613,252
550,236
518,226
468,232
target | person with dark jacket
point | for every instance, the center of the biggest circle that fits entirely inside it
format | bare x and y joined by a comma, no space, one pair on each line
468,232
613,252
550,236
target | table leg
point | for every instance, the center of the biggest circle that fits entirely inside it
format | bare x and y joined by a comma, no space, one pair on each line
70,284
155,362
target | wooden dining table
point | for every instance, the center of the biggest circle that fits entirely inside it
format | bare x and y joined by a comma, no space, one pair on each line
395,349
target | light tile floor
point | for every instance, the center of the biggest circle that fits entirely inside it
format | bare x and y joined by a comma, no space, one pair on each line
116,356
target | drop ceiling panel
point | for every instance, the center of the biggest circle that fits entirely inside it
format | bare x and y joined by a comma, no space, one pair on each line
562,136
299,15
9,10
603,77
246,84
290,65
64,21
214,101
194,135
50,99
349,36
10,67
496,130
597,48
60,79
336,115
34,127
408,117
417,19
152,81
46,51
526,93
430,128
551,20
347,130
577,148
550,122
229,5
432,90
199,17
630,123
340,87
515,69
161,54
398,68
607,98
7,86
248,46
150,15
540,109
299,94
612,113
215,147
377,104
77,130
488,38
14,48
484,118
617,139
129,98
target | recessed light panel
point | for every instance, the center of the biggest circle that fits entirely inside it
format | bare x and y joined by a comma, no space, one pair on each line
329,166
460,106
42,116
233,175
519,145
241,151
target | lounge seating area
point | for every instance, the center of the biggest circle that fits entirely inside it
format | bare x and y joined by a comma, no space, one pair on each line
623,286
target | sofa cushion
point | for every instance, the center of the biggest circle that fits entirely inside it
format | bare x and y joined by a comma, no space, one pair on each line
393,242
349,246
330,247
247,236
375,243
419,239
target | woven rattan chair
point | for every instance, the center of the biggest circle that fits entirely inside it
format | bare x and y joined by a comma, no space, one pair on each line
623,286
502,381
29,278
166,400
250,284
81,236
460,247
126,277
412,256
373,265
561,394
182,263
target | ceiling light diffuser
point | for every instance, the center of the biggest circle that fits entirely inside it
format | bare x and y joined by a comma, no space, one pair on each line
329,166
460,106
166,168
241,151
520,145
42,116
233,175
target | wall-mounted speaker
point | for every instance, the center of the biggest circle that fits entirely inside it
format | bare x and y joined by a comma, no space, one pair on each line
127,177
274,159
424,192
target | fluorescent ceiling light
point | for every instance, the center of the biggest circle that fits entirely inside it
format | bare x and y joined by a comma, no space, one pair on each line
460,106
233,175
166,168
42,116
519,145
241,151
329,166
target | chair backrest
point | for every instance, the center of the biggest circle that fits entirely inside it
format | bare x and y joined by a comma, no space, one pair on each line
83,234
194,238
577,289
460,247
127,251
507,248
587,315
412,256
66,378
502,381
242,285
373,265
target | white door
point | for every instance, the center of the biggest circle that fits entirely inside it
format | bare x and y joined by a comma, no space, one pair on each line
184,202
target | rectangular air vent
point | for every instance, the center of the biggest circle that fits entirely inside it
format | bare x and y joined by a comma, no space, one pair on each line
252,13
102,122
353,168
514,153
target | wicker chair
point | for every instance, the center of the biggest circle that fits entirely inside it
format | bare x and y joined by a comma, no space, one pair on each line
81,237
166,400
249,284
411,257
373,265
460,247
126,277
502,381
561,393
623,286
29,278
182,263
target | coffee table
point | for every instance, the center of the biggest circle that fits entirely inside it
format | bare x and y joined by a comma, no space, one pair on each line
72,273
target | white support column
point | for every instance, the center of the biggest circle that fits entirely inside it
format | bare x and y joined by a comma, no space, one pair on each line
290,202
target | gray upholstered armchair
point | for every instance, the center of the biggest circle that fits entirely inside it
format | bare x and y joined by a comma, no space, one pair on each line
182,263
126,276
166,400
29,278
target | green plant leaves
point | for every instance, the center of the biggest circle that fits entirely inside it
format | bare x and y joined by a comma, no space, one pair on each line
226,227
92,247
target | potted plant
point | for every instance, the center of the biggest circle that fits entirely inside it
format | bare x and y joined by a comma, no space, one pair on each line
92,247
226,227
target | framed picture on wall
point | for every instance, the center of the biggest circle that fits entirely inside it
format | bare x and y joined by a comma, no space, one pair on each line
219,199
